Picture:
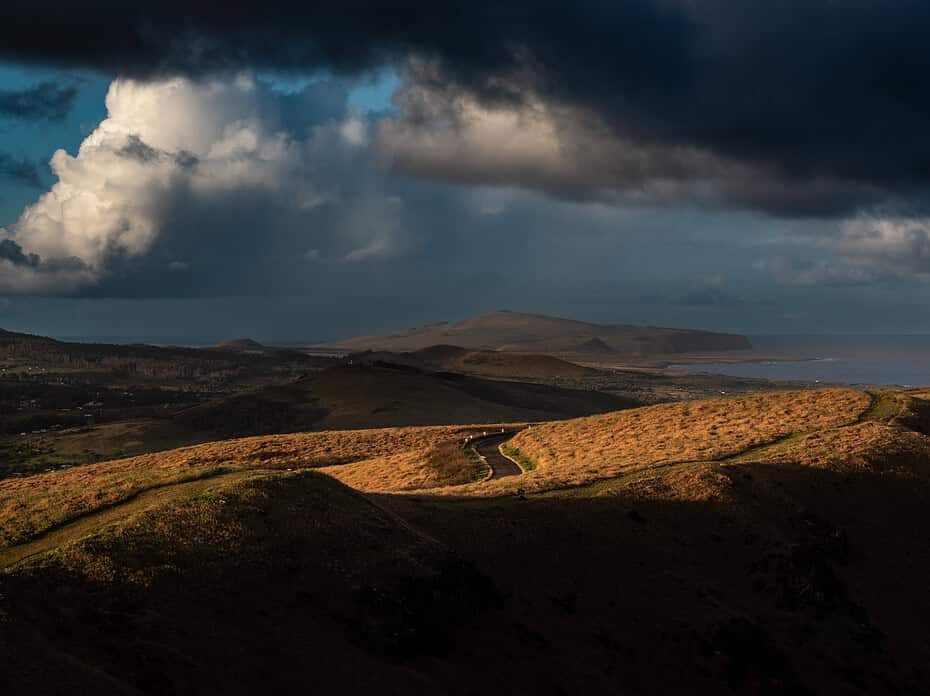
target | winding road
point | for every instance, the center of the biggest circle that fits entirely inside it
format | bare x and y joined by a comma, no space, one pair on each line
500,466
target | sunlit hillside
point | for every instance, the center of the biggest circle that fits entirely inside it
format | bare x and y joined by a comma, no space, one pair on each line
35,504
736,524
581,450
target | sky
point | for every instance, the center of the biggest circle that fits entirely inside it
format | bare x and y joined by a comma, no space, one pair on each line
173,172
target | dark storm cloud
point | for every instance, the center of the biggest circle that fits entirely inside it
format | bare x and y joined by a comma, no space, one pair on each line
46,101
20,170
796,93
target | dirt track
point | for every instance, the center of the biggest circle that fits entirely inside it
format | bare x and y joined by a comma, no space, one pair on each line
500,465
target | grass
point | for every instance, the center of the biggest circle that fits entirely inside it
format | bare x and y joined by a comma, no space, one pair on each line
865,445
579,451
214,523
35,505
517,457
102,442
790,426
366,459
443,463
231,563
146,500
481,468
885,406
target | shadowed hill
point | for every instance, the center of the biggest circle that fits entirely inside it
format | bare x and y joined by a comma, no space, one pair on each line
535,333
486,363
792,559
140,360
241,345
385,394
277,562
347,396
499,364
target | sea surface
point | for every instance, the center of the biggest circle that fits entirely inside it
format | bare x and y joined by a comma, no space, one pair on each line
894,360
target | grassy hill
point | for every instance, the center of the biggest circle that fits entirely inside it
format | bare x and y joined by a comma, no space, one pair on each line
763,545
384,395
492,363
341,397
242,345
139,361
536,333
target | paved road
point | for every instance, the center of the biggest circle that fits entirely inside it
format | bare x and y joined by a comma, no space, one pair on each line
500,465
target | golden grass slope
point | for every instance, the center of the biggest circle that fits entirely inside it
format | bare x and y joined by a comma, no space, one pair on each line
32,505
444,463
578,451
862,446
430,459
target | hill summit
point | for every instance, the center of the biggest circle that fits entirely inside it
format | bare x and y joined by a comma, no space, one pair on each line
241,345
537,333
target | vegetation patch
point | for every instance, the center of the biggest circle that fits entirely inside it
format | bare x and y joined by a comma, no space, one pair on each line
865,445
481,469
885,406
579,451
387,459
517,457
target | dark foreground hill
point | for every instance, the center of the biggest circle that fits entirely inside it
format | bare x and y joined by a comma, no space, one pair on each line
787,555
536,333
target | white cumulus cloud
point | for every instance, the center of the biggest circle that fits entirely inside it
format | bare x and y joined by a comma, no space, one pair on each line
203,140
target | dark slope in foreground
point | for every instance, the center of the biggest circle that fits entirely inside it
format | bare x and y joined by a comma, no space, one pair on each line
751,578
237,591
536,333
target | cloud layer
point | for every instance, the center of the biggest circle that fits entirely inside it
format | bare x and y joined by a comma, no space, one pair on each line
44,101
800,95
861,251
169,165
443,132
19,170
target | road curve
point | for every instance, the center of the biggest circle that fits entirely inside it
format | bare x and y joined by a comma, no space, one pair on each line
500,465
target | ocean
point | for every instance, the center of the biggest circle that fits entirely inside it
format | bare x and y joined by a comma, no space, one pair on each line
893,360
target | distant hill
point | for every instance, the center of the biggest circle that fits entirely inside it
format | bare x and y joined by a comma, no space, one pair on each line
485,363
537,333
498,363
138,359
241,345
224,361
